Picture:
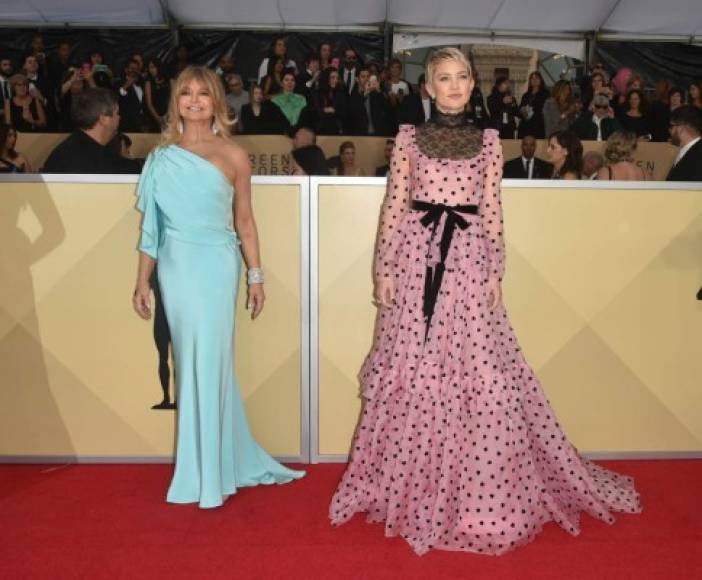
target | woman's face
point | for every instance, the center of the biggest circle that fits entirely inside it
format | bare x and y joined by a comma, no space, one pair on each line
675,100
288,83
279,47
333,79
635,85
534,82
20,88
195,103
556,153
31,64
153,70
348,156
11,140
451,85
325,52
634,102
694,92
257,95
96,58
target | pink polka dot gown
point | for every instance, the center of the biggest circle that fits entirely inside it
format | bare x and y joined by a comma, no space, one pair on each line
457,447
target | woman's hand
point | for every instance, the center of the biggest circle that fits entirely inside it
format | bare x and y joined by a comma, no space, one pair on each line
494,292
141,301
385,292
255,298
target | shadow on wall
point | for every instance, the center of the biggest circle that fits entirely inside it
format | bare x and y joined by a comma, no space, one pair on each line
27,403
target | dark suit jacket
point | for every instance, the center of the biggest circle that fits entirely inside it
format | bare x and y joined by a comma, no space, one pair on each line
689,168
514,169
131,110
79,153
411,110
382,171
357,122
587,130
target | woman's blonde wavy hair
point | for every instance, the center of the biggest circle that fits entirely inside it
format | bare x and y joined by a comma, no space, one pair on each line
620,146
210,80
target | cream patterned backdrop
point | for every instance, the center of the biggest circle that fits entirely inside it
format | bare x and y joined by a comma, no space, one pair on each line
79,368
600,288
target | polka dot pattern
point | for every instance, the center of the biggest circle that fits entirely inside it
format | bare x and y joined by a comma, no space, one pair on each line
457,447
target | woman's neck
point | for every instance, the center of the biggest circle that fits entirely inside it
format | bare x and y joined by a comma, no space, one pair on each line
195,132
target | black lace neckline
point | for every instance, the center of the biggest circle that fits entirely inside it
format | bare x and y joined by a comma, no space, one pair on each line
449,119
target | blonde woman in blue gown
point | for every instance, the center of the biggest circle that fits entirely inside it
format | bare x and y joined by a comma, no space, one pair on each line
187,191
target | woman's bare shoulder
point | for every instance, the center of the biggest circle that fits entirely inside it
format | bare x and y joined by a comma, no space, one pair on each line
233,151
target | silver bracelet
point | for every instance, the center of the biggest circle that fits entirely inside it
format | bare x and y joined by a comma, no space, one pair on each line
255,276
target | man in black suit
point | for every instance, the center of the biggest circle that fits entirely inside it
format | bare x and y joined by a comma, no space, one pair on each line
349,71
95,113
383,170
598,124
686,132
527,166
307,82
416,108
368,108
131,100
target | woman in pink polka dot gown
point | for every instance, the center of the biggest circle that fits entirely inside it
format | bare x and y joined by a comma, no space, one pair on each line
457,447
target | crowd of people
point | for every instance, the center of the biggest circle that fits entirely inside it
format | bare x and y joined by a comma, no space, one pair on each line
333,93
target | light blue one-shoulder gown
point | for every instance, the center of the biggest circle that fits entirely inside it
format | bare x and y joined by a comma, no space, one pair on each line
187,228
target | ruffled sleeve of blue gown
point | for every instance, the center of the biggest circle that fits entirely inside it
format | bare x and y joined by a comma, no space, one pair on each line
146,204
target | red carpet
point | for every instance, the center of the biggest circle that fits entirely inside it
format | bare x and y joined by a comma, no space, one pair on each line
111,521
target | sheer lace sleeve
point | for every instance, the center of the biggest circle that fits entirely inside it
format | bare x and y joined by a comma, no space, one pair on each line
491,205
394,205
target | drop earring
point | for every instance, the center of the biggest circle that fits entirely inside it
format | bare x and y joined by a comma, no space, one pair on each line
179,126
215,129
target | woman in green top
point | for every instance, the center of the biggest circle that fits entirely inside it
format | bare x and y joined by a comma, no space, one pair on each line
290,102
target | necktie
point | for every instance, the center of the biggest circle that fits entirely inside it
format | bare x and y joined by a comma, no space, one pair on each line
528,166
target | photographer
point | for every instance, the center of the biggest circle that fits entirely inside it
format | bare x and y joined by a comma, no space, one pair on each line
368,107
74,82
131,99
503,108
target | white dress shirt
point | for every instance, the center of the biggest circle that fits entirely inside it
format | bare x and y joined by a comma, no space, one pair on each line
426,105
349,78
598,121
528,165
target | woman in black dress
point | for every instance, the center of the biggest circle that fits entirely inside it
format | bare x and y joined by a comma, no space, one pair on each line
157,92
531,108
23,111
331,103
10,160
262,117
272,83
635,117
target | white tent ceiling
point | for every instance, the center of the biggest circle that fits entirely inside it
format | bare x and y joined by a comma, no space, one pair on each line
674,18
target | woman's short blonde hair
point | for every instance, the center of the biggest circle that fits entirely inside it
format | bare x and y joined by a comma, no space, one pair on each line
620,146
443,54
172,131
